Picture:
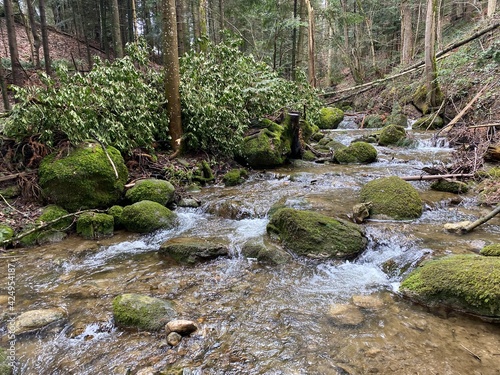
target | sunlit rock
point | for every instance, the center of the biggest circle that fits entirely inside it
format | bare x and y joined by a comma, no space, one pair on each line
456,227
492,250
181,326
393,198
346,315
133,310
192,250
33,320
267,253
330,117
467,283
146,217
83,179
316,235
159,191
174,339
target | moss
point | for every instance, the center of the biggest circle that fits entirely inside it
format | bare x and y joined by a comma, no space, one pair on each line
154,190
492,250
6,232
116,211
5,368
84,179
308,156
142,312
391,135
52,233
467,283
93,225
11,192
203,173
192,250
392,197
429,122
373,121
270,147
146,217
421,99
358,152
456,187
315,235
235,177
398,119
308,130
330,117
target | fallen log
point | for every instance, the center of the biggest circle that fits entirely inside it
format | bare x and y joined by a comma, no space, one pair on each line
466,226
15,175
437,177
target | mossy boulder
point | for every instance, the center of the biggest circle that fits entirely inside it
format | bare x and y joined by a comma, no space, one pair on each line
6,232
269,147
398,119
467,283
308,156
330,117
429,122
151,189
393,198
328,145
308,130
455,187
373,121
492,250
147,313
146,217
357,152
392,135
53,233
315,235
267,253
192,250
420,99
93,225
116,211
235,177
11,192
83,179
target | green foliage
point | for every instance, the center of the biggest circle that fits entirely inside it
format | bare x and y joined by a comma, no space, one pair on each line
120,103
223,90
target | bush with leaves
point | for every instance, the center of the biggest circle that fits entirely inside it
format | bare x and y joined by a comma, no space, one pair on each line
119,103
223,90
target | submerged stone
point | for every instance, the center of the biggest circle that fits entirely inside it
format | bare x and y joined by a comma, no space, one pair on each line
466,283
146,217
34,320
84,179
192,250
346,315
315,235
392,197
133,310
159,191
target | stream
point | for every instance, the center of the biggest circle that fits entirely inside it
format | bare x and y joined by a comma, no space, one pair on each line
262,319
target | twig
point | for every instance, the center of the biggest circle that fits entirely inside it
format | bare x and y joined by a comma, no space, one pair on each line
471,353
437,177
109,157
484,125
12,207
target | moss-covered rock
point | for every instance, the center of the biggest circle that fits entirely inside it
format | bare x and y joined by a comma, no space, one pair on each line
398,119
373,121
308,156
116,211
53,233
330,117
392,197
235,177
267,253
492,250
420,99
11,192
203,173
147,313
392,135
467,283
5,368
6,232
192,250
308,130
269,147
315,235
357,152
84,179
92,225
456,187
151,189
146,217
429,122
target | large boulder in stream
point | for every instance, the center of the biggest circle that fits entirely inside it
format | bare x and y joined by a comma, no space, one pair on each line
357,152
392,135
34,320
83,179
330,117
146,217
151,189
466,283
393,198
192,250
147,313
315,235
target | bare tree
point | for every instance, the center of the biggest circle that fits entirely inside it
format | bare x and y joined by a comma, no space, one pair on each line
17,73
430,52
45,36
117,34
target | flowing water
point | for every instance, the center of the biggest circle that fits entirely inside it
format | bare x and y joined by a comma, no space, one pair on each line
261,319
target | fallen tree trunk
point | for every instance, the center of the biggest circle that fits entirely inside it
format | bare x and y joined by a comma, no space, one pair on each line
466,226
437,177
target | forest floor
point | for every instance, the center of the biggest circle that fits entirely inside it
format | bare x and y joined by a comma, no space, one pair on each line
463,73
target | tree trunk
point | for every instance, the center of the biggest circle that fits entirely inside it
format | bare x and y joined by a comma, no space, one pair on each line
134,20
117,34
406,32
311,65
3,87
430,52
172,79
17,72
36,38
45,37
181,27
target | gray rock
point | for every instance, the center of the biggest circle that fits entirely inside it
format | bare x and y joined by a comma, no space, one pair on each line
192,250
33,320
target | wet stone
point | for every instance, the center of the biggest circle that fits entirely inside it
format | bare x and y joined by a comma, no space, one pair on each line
367,302
36,319
183,327
346,315
174,339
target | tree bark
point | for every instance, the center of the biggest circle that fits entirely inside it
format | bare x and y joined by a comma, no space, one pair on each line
45,37
311,57
17,74
172,79
117,34
36,38
406,33
430,52
3,87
